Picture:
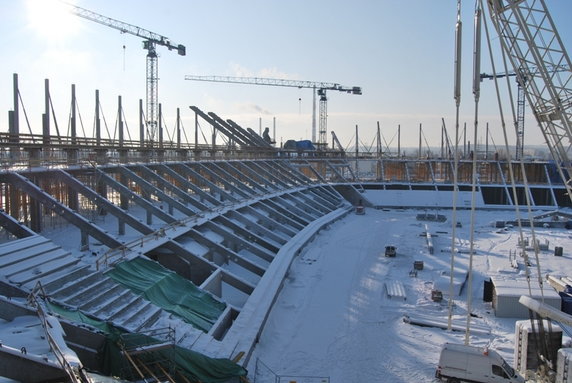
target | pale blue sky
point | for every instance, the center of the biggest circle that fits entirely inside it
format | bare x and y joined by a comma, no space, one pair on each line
399,52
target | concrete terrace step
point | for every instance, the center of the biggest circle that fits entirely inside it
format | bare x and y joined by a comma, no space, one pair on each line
68,290
106,305
28,263
119,306
152,318
138,314
102,298
27,254
43,269
22,244
89,292
54,282
129,305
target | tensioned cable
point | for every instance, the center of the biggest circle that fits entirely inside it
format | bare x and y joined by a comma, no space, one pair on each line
457,97
527,194
509,158
476,94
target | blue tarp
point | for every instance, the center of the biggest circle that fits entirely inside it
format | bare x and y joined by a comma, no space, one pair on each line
299,145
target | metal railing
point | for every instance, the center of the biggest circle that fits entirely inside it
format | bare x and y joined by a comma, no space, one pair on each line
75,374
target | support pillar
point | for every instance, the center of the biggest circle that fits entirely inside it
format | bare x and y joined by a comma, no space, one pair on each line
161,150
197,151
124,204
14,121
97,119
84,241
46,115
35,209
72,154
141,125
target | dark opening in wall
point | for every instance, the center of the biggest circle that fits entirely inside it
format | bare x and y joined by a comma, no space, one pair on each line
542,196
494,195
562,199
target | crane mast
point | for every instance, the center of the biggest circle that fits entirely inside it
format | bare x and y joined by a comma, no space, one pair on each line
520,109
319,88
150,41
542,66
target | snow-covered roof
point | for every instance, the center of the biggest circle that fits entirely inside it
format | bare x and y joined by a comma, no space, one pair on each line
517,286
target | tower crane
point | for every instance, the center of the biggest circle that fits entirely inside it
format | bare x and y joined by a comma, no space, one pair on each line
520,103
535,51
520,107
319,89
150,41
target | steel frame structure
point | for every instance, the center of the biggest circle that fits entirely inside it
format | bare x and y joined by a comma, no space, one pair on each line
534,48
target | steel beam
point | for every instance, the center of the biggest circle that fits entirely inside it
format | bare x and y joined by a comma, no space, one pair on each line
223,181
260,252
292,171
14,227
237,182
249,235
151,175
233,133
218,126
223,193
254,227
271,175
255,138
152,189
229,254
307,205
273,224
69,215
235,170
101,202
283,202
244,168
315,204
137,199
289,218
189,185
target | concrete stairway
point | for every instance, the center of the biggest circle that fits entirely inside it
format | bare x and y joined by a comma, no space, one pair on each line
73,284
28,259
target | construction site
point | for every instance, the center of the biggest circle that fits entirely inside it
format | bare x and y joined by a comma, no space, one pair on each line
160,258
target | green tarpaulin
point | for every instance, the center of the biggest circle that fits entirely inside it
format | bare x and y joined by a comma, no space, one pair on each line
169,291
194,366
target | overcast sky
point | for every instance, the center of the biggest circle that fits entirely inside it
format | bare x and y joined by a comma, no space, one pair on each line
399,52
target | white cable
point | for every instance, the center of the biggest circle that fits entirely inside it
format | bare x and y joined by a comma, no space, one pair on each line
457,95
476,93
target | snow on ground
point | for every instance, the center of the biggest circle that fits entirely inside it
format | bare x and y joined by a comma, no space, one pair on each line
333,317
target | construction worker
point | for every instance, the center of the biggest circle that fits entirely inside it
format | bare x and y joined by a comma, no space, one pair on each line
266,135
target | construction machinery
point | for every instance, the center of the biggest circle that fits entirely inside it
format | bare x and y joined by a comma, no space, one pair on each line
520,102
520,106
319,89
150,41
535,51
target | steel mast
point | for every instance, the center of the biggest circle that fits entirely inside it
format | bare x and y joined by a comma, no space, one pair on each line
150,41
319,88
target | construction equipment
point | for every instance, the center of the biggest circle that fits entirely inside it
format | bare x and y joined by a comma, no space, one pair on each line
520,102
319,88
535,51
520,107
150,41
336,143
